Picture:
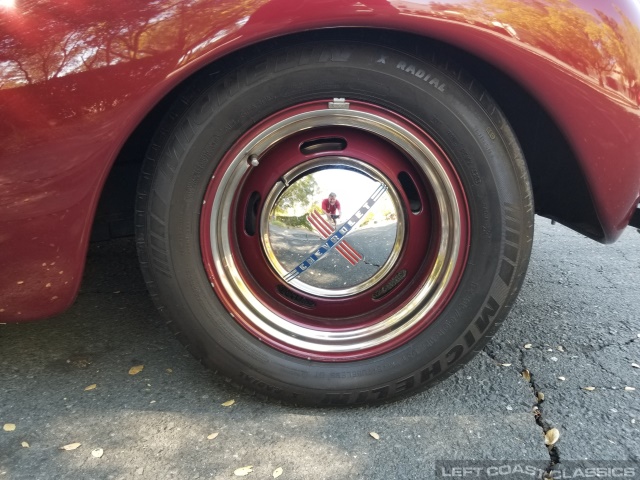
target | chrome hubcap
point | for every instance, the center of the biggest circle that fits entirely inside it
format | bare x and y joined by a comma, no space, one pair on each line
329,257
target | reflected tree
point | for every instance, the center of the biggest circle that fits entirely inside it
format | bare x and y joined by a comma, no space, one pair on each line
595,44
48,40
77,62
298,198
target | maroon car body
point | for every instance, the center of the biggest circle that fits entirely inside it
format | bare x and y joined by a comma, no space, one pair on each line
81,80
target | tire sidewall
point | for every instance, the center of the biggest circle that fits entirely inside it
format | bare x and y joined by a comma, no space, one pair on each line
476,142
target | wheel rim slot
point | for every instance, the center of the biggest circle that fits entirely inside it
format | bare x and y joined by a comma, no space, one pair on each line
251,214
323,145
411,191
391,285
295,297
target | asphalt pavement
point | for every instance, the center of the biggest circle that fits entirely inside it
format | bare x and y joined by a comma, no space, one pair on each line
576,324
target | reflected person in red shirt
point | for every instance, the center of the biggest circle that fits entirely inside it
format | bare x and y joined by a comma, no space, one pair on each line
331,208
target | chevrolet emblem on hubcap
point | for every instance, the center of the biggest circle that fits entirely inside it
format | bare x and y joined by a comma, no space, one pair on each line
309,251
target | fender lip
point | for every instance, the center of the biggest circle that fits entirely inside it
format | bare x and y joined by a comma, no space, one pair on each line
634,221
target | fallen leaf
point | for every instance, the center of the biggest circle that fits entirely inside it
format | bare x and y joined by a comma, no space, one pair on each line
591,389
97,453
25,444
213,435
228,403
528,346
526,375
71,446
241,472
562,379
551,437
375,435
277,472
169,370
629,389
635,365
540,396
136,370
9,427
505,364
90,387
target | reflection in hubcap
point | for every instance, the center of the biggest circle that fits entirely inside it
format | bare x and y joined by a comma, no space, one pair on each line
312,253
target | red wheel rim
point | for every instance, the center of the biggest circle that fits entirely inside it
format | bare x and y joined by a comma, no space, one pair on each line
377,314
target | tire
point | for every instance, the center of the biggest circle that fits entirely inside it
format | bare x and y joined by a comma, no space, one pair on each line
437,268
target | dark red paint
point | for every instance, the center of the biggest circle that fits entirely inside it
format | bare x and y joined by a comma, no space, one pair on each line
77,76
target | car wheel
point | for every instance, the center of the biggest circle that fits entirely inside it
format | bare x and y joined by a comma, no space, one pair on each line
424,263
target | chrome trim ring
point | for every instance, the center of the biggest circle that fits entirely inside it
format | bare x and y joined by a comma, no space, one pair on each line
263,321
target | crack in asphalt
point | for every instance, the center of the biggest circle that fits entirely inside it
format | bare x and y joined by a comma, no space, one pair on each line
372,264
624,255
599,348
554,453
613,374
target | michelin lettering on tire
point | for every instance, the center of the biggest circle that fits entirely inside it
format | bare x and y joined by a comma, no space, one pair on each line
268,303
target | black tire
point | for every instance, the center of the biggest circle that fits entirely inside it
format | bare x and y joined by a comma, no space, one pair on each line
451,109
